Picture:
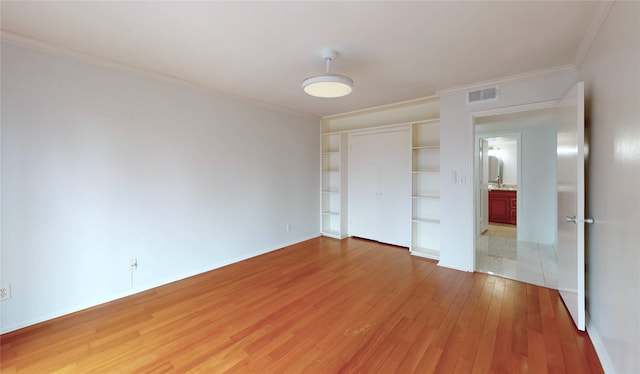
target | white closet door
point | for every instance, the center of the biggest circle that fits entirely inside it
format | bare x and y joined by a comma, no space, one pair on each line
380,187
363,189
394,210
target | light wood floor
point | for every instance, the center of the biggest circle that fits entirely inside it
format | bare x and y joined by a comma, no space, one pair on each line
321,306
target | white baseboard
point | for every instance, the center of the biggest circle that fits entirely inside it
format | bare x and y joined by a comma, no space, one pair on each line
424,255
599,347
454,267
145,287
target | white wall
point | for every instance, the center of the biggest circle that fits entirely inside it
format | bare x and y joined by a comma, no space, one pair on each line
100,166
611,71
456,155
538,185
509,155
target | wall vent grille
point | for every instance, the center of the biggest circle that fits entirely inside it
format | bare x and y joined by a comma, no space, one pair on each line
484,94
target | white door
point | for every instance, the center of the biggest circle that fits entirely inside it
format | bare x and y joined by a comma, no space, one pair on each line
483,173
363,189
571,198
394,209
380,187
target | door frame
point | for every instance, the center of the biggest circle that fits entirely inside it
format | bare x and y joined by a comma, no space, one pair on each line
471,120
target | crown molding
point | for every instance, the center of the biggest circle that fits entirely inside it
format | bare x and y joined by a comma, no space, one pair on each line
44,47
399,104
593,29
537,74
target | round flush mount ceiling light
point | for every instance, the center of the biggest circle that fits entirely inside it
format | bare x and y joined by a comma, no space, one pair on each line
328,85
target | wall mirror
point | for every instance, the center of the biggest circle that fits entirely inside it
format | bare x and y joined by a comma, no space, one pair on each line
495,170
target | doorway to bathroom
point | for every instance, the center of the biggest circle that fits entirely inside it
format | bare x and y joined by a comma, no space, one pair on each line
516,196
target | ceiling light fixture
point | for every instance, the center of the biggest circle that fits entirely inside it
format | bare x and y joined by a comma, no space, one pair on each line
328,85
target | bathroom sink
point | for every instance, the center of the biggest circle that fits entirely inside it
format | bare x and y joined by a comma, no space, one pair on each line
503,188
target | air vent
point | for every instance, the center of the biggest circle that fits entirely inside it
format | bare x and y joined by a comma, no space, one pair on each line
484,94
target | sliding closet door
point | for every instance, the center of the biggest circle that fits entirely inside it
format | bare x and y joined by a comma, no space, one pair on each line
395,188
363,186
380,187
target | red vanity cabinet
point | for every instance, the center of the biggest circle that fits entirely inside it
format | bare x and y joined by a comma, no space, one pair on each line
503,206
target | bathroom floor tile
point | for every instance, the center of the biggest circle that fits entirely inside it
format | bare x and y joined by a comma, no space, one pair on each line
523,261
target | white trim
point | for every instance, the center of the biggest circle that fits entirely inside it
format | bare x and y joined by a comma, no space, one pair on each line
382,128
512,78
332,236
378,130
399,104
424,255
595,24
515,109
119,295
471,265
454,267
43,47
605,361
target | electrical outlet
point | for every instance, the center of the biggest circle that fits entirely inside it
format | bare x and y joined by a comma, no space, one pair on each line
288,227
5,292
133,263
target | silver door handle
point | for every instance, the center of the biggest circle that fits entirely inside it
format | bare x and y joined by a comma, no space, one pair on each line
575,220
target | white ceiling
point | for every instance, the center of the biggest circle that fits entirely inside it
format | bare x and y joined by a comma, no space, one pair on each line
261,51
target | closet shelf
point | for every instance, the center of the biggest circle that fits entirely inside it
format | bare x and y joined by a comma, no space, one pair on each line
331,233
430,253
434,147
425,220
334,185
426,205
426,196
330,213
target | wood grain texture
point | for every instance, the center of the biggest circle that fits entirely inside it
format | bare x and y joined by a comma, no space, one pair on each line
320,306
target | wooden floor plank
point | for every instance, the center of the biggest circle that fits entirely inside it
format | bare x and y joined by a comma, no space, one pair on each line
555,359
323,305
487,342
469,347
501,361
